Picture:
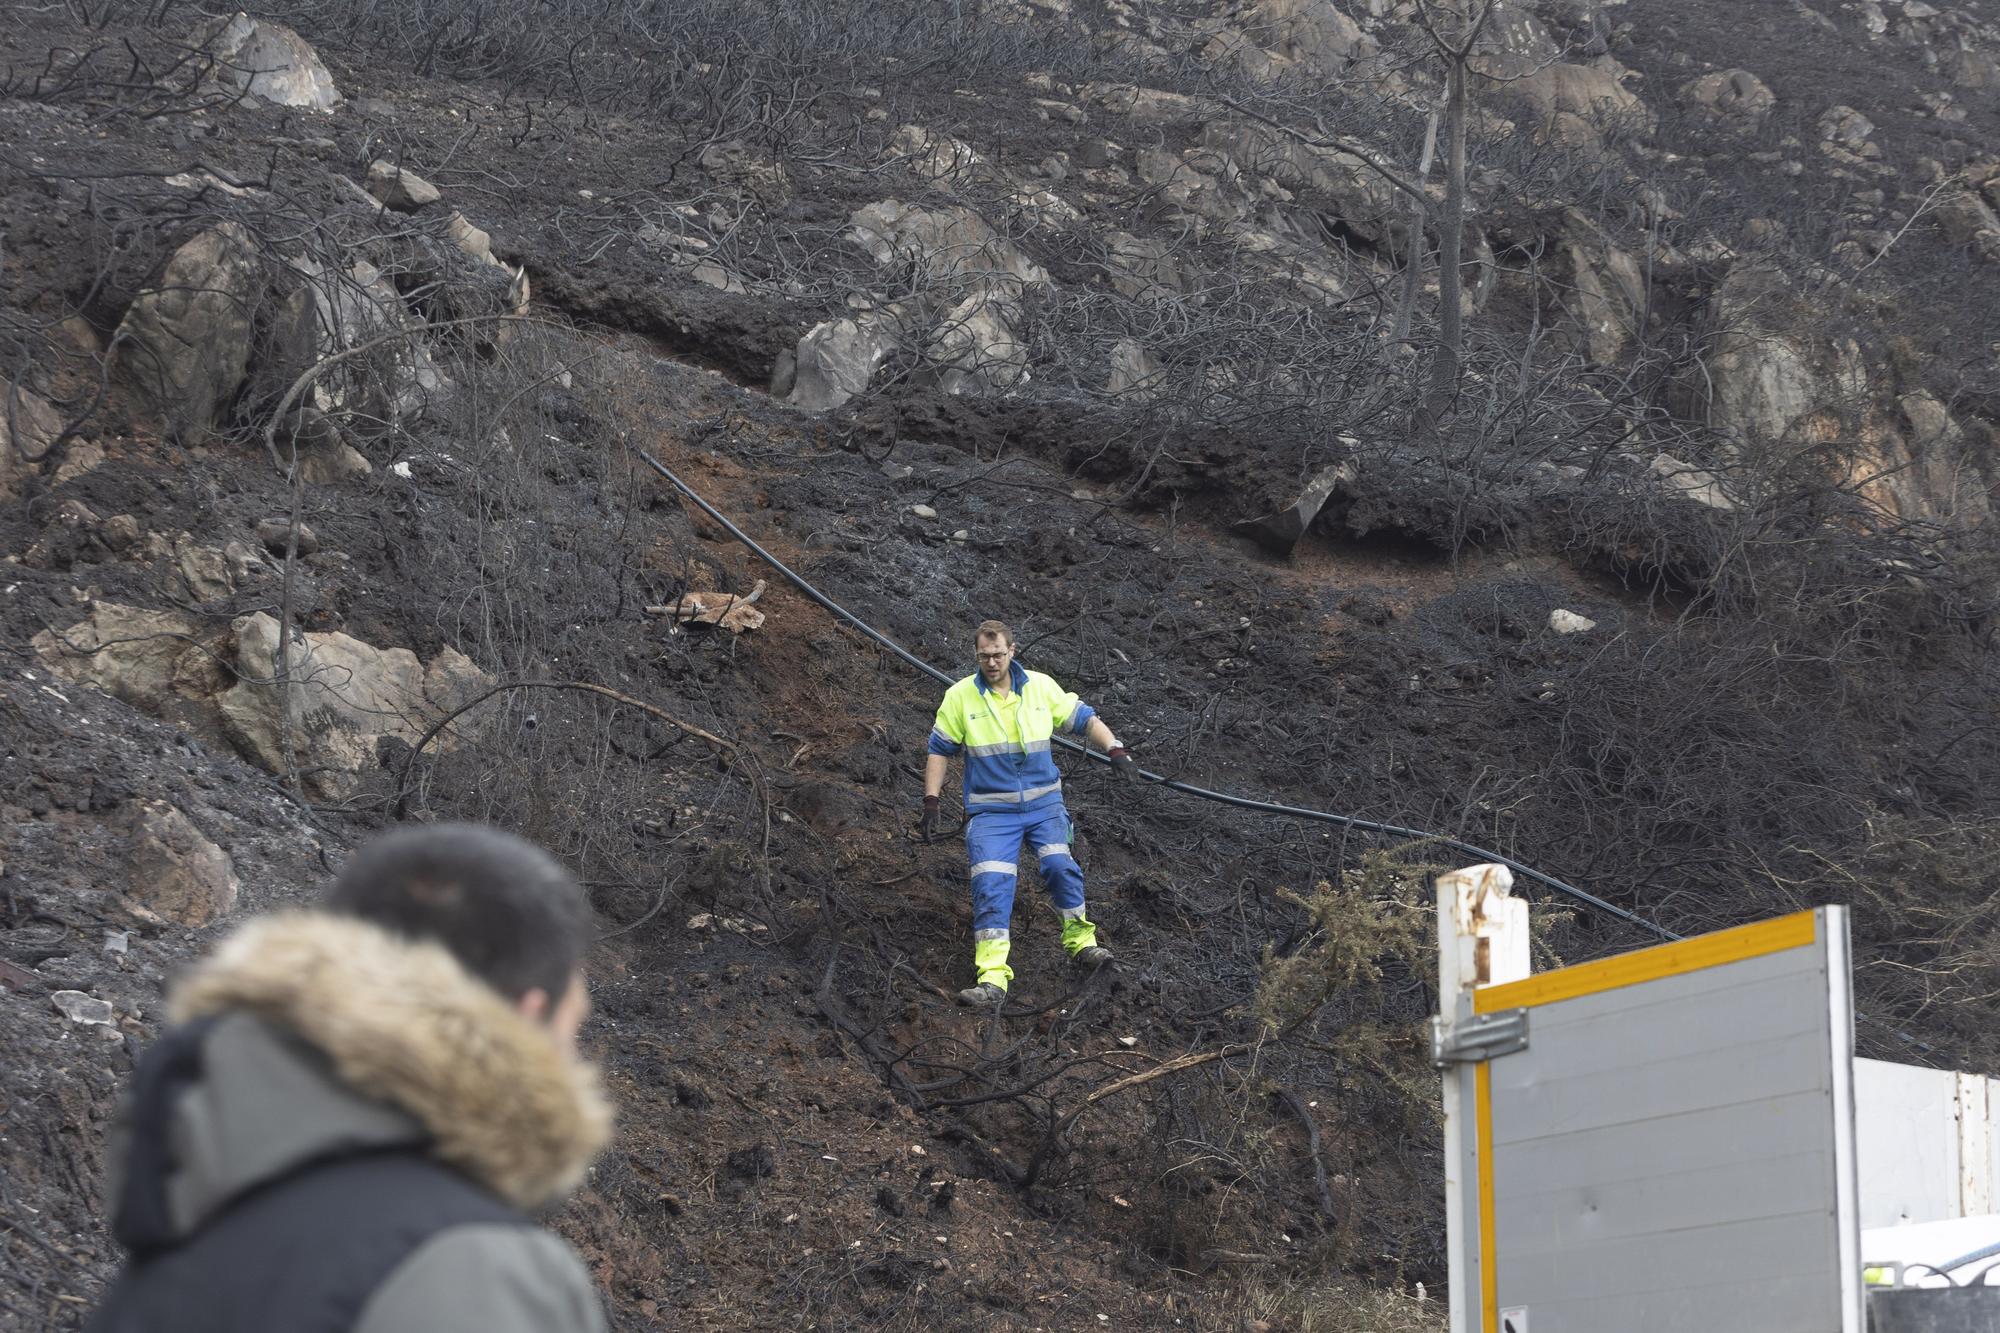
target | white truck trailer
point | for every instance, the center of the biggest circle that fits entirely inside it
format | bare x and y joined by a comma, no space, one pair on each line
1681,1140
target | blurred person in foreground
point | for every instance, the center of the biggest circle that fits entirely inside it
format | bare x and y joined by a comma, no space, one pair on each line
359,1105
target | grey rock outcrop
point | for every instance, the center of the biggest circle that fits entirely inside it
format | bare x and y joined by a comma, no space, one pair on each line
837,358
29,424
1607,289
185,342
944,245
978,347
271,62
161,662
177,873
399,188
344,695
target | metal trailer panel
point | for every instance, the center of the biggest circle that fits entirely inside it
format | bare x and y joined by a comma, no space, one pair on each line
1926,1139
1673,1149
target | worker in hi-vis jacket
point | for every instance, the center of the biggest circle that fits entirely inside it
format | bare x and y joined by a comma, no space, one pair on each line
1001,718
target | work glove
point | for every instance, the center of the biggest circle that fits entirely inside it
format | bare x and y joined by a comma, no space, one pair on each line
1122,763
927,826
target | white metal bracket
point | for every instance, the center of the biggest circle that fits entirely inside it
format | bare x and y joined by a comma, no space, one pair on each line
1480,1037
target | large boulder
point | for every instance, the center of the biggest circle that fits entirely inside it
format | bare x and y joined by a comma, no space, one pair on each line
1336,184
1770,375
399,188
175,872
1142,268
29,424
165,663
1970,221
1135,372
271,62
1607,289
185,343
342,697
978,347
944,245
837,358
1576,102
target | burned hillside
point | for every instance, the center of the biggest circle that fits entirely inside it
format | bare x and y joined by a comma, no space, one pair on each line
1652,550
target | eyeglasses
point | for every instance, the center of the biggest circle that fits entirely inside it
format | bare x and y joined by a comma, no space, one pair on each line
993,657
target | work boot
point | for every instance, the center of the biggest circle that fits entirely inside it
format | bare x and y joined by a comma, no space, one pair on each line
1091,957
984,995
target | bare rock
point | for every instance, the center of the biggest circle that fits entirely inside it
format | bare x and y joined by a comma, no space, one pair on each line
1735,95
176,872
83,1010
399,188
1569,622
1135,372
344,696
1845,127
1143,269
161,662
1691,482
275,534
187,340
205,571
1607,289
269,61
836,359
29,424
978,347
945,245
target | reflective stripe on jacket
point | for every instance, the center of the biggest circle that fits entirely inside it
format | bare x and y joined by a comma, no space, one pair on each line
1008,758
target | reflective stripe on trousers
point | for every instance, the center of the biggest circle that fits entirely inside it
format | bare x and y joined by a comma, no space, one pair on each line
993,839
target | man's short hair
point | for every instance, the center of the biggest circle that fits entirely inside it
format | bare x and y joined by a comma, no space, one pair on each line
510,913
993,628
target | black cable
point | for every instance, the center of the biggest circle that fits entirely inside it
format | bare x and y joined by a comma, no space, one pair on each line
1240,802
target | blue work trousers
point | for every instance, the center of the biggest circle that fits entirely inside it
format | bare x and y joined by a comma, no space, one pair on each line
993,840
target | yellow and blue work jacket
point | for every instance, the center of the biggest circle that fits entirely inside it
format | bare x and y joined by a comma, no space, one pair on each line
1008,762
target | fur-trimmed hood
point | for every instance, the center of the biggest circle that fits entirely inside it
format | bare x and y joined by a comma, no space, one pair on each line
397,1040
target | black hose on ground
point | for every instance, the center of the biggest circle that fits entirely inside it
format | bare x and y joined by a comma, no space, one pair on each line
1225,798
